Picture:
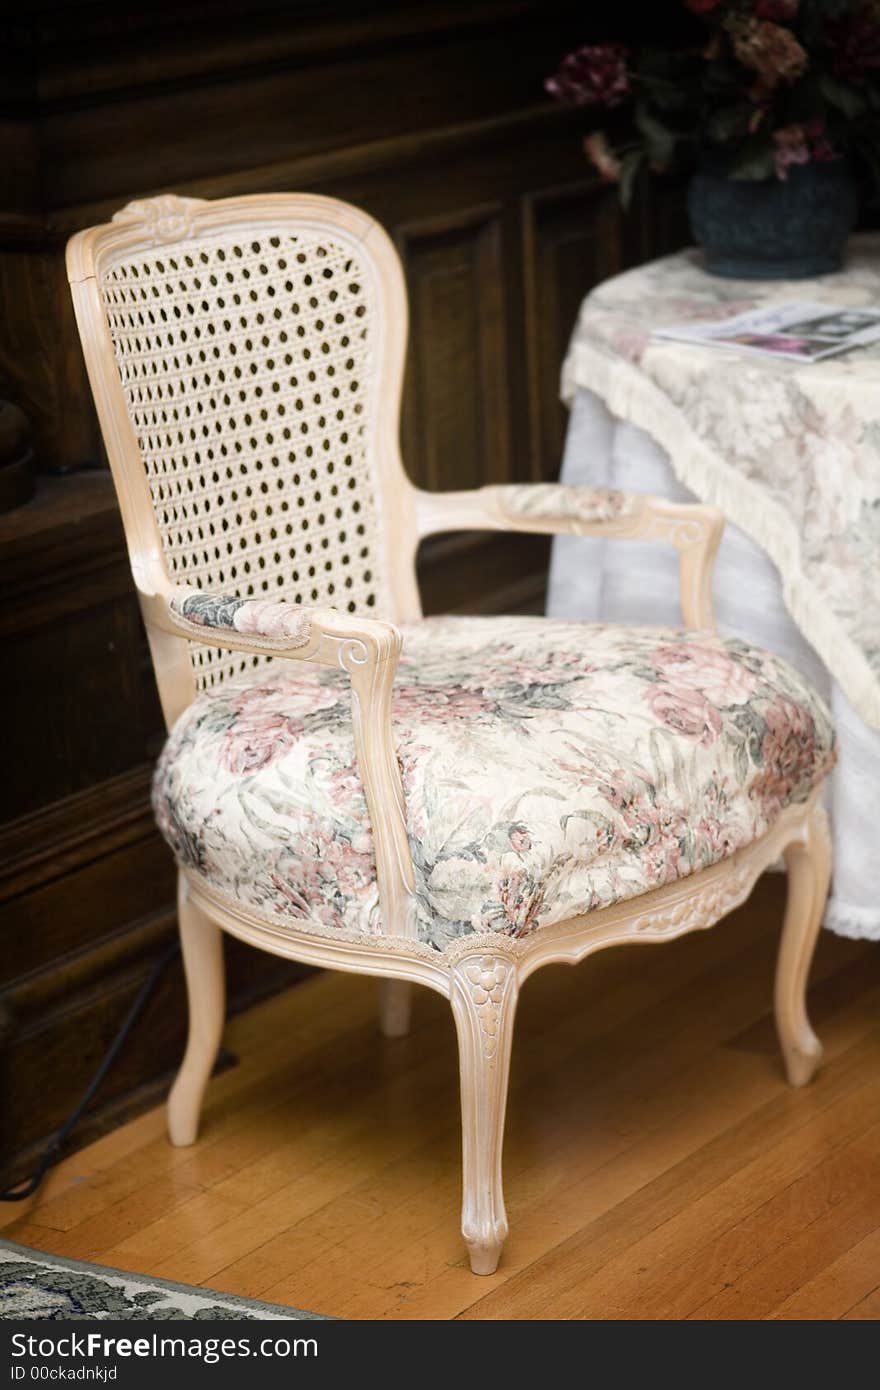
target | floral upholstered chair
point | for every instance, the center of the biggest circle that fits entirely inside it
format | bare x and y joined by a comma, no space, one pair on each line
449,801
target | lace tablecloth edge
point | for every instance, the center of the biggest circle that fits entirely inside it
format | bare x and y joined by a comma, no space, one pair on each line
632,397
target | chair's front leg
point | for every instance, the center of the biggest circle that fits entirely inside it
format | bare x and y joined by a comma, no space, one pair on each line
395,1007
201,942
483,994
808,861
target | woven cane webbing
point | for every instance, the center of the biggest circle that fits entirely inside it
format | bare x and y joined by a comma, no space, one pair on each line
246,366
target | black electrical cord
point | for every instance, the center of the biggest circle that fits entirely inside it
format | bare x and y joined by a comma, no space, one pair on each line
28,1186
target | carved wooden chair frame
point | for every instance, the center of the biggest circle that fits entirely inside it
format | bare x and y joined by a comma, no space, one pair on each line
481,975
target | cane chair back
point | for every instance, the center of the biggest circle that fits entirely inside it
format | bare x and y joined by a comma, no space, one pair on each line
259,345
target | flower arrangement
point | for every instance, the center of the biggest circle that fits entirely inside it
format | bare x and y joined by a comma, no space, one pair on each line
765,86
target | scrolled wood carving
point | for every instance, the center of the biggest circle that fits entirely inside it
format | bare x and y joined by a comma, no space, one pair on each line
487,981
701,908
352,653
166,218
682,534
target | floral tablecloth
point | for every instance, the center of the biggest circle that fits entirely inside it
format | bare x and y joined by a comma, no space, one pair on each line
789,452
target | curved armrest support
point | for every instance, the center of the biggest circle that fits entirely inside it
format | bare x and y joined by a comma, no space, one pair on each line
368,651
694,529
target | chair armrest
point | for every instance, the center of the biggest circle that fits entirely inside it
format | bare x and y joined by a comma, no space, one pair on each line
368,651
273,619
694,529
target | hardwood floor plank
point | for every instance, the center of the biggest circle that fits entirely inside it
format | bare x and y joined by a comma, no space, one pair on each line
830,1211
725,1251
867,1309
174,1230
838,1289
550,1286
656,1163
652,1276
120,1219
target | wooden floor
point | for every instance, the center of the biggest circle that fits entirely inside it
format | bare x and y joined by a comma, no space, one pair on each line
657,1166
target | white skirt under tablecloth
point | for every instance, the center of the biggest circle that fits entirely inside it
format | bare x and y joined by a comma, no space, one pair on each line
631,582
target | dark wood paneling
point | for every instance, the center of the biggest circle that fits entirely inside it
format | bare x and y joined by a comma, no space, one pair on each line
432,117
102,838
83,688
41,367
306,109
456,427
572,239
480,574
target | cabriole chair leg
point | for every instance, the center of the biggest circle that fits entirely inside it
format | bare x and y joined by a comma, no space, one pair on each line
483,996
808,860
395,1007
201,943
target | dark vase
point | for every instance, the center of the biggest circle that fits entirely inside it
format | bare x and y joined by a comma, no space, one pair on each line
774,229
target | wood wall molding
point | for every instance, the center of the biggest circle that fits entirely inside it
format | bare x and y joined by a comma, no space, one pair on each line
25,231
189,44
46,845
70,529
345,161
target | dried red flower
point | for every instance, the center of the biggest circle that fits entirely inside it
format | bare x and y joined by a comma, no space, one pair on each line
791,148
801,144
595,75
854,42
779,11
770,51
727,98
601,156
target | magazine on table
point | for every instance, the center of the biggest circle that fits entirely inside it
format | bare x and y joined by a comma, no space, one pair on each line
799,330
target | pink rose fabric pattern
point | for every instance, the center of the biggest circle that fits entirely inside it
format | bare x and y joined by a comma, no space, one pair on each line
549,768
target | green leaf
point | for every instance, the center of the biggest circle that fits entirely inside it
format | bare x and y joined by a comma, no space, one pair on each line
729,122
754,161
722,74
659,139
666,96
844,97
630,166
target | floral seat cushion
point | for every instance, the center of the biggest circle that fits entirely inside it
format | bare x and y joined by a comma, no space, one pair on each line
550,768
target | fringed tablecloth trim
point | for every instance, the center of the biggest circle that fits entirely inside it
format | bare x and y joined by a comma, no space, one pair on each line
632,397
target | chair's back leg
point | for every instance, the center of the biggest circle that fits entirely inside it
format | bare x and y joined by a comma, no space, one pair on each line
202,946
483,996
395,1007
808,860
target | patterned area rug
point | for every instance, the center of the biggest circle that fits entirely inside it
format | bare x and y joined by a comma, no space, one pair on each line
36,1285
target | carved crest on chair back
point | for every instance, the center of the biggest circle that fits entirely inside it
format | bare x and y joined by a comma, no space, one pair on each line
166,218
